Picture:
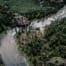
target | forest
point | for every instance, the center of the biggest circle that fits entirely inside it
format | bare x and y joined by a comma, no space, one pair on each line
40,48
46,48
7,13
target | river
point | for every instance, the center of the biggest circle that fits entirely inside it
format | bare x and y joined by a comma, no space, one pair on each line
9,52
8,49
46,21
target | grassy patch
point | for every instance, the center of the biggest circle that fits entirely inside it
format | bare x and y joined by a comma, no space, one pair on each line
21,5
31,9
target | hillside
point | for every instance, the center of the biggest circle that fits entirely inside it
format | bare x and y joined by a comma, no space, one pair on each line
27,5
21,5
41,49
44,44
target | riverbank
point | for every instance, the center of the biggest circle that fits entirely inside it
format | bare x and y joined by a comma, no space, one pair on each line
1,34
38,50
1,59
24,6
9,21
30,45
11,55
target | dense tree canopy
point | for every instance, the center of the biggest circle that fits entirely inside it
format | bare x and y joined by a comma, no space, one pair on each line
6,17
38,47
41,48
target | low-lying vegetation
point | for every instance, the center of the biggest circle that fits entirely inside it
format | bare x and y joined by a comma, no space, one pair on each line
39,48
40,13
7,16
31,8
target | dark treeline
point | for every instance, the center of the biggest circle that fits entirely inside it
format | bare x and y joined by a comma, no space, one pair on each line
6,17
41,12
1,61
49,7
6,14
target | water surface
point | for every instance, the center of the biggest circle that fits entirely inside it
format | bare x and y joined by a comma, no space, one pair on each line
9,52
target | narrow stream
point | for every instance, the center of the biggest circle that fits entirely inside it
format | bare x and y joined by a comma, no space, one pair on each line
8,50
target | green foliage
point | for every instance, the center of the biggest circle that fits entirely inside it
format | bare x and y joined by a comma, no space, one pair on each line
40,48
39,13
56,33
6,13
55,36
30,8
24,6
1,61
6,17
21,5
